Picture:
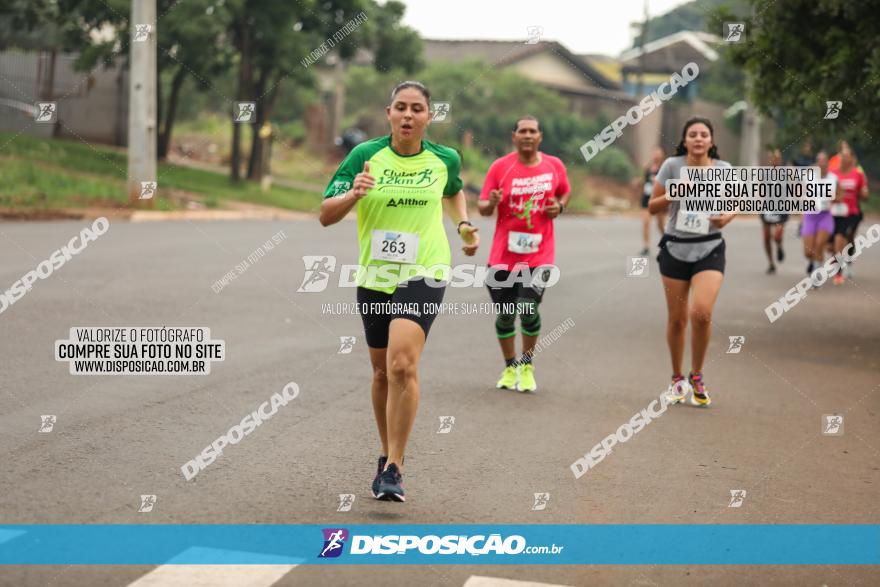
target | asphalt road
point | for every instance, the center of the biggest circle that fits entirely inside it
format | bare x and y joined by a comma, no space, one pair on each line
117,437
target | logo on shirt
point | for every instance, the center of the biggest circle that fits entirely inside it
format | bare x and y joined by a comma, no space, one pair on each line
406,203
848,184
340,187
413,179
527,195
525,211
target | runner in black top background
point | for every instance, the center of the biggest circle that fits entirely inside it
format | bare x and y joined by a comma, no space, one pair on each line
647,185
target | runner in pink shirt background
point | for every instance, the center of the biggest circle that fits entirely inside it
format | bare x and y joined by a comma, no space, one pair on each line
528,189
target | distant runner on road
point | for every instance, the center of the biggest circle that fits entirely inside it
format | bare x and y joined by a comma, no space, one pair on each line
816,228
528,189
647,187
847,212
775,220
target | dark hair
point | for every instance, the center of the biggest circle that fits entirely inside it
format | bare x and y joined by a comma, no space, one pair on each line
526,117
682,150
412,84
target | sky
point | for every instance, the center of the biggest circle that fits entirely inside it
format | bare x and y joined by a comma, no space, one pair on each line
583,26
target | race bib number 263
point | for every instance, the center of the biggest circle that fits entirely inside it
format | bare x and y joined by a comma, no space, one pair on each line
397,247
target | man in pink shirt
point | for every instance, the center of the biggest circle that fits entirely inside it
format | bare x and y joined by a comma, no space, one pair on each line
529,189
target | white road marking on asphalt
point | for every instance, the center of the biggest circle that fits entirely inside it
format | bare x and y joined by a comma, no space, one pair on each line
174,575
478,581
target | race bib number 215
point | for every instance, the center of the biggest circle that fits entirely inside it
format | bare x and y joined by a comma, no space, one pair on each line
692,222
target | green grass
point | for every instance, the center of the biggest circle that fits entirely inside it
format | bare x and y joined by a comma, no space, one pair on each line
27,184
30,184
294,162
219,187
208,124
60,173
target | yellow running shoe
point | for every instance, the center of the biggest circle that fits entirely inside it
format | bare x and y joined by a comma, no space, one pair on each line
700,396
508,379
527,378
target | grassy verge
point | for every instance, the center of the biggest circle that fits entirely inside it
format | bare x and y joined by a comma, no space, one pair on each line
43,173
208,137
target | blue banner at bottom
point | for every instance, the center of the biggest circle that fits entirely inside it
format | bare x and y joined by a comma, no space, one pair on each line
489,544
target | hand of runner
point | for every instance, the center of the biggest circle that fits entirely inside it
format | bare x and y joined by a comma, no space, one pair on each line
551,209
471,238
495,196
722,220
363,182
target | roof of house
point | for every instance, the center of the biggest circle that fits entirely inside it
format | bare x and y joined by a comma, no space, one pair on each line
670,53
612,68
501,53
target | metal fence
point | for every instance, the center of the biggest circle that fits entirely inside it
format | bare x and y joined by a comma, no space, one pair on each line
91,105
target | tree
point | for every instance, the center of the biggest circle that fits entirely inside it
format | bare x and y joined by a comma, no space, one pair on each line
699,15
190,40
484,101
803,53
276,40
395,46
192,44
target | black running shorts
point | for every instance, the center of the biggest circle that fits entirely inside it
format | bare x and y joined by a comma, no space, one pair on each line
509,294
847,225
415,300
675,269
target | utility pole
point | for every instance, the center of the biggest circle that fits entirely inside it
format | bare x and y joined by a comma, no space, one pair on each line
643,36
750,144
142,101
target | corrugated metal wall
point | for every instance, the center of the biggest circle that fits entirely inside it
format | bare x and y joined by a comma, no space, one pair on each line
92,105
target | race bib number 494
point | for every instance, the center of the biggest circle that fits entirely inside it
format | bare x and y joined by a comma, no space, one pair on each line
397,247
523,243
